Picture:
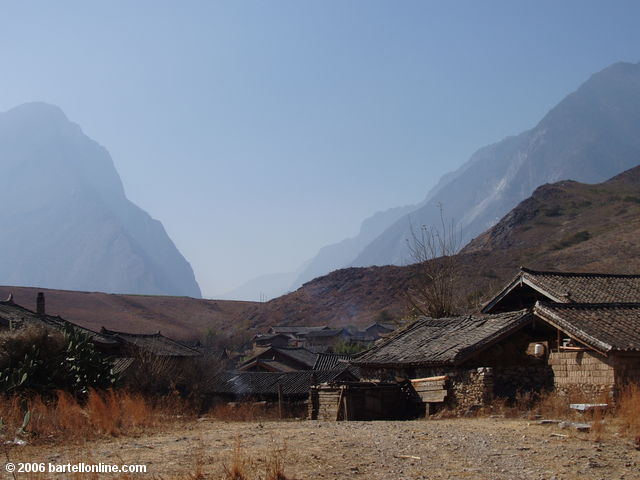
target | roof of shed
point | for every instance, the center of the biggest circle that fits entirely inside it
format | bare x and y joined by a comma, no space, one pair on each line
575,287
605,327
443,341
266,383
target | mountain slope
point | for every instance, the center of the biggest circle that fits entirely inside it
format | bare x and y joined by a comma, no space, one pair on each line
563,226
591,135
67,222
546,231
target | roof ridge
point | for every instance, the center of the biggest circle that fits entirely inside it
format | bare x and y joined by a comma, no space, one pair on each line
579,274
589,305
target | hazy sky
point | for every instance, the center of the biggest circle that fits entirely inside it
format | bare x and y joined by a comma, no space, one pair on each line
260,131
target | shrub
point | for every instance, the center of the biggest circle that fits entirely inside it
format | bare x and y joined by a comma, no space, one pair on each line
43,360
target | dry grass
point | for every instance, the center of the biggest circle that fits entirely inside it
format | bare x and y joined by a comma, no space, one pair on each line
108,413
245,412
628,411
243,467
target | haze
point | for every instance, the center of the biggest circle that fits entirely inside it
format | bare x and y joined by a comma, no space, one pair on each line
258,132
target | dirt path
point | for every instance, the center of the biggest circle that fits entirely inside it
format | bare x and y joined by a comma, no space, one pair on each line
435,449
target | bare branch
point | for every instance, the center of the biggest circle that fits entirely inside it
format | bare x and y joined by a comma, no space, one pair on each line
433,286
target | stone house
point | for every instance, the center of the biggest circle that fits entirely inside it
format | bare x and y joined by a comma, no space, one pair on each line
481,356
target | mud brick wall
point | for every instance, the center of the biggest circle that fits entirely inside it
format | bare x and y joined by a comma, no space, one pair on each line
587,373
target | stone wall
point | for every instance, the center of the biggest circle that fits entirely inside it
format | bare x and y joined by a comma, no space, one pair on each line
508,381
467,388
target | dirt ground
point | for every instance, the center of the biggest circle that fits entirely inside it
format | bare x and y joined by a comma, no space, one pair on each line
486,448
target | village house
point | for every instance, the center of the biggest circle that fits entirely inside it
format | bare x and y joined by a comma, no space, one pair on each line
480,356
291,359
573,332
279,359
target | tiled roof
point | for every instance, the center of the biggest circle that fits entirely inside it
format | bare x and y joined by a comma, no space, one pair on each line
266,383
572,287
155,343
604,327
443,341
330,361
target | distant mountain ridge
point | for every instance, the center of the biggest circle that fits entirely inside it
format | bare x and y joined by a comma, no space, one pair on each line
67,222
591,135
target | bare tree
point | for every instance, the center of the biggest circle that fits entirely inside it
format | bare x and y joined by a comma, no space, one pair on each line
433,288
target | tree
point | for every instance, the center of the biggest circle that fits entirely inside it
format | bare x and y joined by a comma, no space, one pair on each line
433,286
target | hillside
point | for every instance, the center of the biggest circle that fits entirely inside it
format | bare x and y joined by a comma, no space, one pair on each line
67,222
178,317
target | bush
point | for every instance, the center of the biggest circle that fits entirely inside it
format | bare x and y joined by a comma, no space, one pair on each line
42,360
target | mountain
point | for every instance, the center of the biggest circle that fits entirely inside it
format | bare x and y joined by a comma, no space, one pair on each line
338,255
331,257
563,226
591,135
262,288
66,220
567,226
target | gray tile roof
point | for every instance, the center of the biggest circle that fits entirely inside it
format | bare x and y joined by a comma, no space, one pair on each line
574,287
604,327
330,361
443,341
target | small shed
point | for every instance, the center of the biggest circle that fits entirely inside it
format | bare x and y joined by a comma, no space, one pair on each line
360,401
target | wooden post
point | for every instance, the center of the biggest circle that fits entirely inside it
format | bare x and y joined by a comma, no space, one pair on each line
346,412
339,403
280,400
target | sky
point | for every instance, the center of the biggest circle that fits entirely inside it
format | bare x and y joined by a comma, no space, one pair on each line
260,131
